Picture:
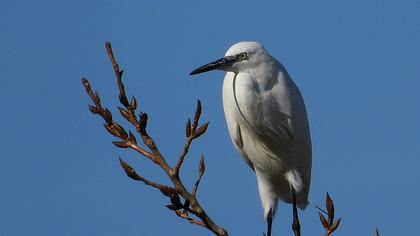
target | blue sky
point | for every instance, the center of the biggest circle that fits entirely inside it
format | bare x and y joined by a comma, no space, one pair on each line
356,63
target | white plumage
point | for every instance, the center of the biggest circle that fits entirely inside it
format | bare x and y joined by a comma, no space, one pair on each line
267,122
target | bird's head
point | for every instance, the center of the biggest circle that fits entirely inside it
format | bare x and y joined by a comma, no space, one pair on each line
240,57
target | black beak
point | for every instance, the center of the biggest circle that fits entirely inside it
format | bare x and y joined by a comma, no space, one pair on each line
215,65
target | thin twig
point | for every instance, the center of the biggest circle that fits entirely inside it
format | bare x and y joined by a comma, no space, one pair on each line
200,174
118,74
191,133
184,215
182,155
168,191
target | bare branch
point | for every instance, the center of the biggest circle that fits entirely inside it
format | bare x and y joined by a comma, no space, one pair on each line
184,215
128,140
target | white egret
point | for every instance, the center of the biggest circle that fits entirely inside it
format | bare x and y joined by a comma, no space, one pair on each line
268,125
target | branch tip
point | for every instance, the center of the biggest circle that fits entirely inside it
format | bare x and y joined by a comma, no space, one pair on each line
197,115
129,171
324,221
133,103
202,166
330,208
200,131
335,225
120,144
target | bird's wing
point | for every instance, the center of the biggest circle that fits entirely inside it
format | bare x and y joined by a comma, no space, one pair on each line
239,145
231,115
267,110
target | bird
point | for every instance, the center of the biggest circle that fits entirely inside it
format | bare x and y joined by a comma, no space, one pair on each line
268,125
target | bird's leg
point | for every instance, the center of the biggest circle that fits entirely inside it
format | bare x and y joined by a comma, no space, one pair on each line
269,222
295,224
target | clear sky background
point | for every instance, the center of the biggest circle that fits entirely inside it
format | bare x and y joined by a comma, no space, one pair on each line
357,64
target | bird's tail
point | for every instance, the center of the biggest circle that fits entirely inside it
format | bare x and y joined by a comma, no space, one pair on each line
296,182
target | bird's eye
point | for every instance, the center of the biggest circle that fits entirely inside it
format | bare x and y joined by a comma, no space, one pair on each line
243,56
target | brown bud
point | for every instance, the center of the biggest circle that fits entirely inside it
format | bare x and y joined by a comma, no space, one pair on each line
202,166
108,45
133,103
124,113
201,130
129,171
120,144
323,220
132,137
330,209
120,130
111,130
335,225
85,82
188,128
93,109
197,114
